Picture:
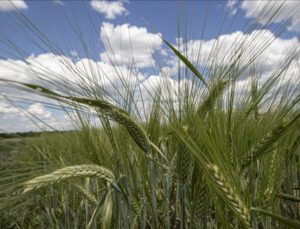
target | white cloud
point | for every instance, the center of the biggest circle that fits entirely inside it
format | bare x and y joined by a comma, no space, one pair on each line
268,51
16,119
219,51
111,9
231,6
38,110
8,111
14,69
58,2
267,12
295,25
164,52
126,44
47,67
11,5
74,53
110,77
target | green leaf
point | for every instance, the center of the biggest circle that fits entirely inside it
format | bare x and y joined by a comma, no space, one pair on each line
286,221
34,87
186,62
288,197
107,211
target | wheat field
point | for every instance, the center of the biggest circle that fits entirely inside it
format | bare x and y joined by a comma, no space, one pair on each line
193,152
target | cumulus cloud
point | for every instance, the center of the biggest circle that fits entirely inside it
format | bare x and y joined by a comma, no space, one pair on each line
15,119
111,9
8,111
267,12
54,70
37,69
40,69
14,69
129,45
261,48
48,68
9,5
38,110
271,50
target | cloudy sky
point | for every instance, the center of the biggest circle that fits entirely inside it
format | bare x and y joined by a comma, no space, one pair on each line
74,41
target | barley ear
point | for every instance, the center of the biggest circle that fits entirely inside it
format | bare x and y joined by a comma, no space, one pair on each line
230,196
265,145
201,203
184,164
119,116
66,173
214,93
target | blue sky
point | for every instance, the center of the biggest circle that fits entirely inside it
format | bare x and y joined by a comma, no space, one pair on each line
200,21
163,16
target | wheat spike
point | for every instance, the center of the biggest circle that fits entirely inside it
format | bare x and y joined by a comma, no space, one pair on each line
271,181
120,116
265,144
135,206
215,92
88,194
232,198
201,204
184,164
66,173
